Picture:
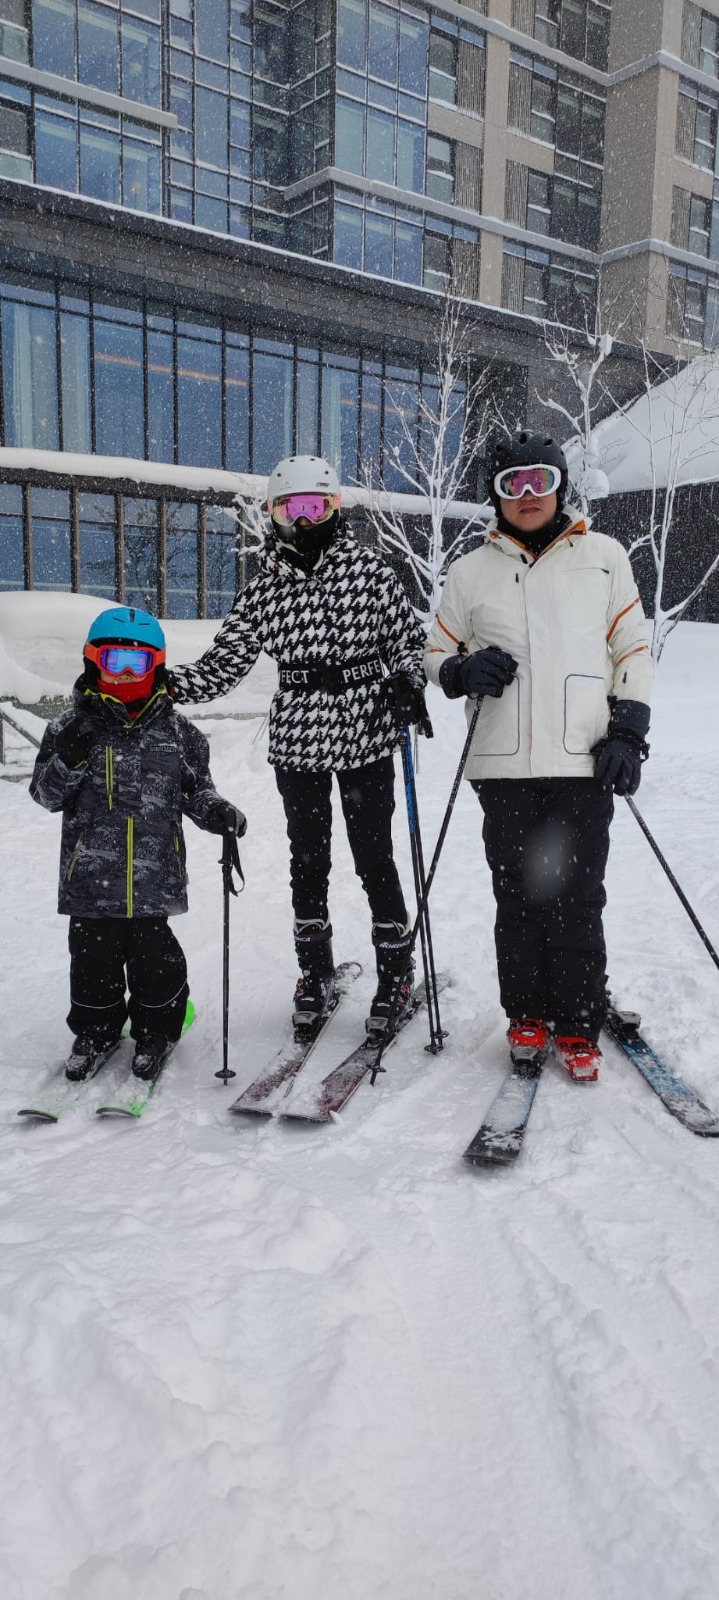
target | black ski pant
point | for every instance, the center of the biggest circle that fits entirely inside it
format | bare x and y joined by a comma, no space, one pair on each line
547,842
367,796
111,954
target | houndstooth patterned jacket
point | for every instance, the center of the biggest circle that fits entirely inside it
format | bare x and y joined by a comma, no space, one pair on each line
350,607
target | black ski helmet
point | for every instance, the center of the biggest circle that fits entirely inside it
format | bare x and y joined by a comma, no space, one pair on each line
525,450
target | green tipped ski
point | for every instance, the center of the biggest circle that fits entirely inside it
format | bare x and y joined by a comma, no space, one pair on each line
134,1105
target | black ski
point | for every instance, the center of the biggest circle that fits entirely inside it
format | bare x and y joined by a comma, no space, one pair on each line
679,1098
322,1102
499,1140
263,1097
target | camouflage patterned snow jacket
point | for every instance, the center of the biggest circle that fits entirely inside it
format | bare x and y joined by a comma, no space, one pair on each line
122,852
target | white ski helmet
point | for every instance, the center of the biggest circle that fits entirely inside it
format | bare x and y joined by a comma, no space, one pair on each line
301,475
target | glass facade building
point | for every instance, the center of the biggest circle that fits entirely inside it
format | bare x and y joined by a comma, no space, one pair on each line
239,118
213,112
119,376
162,162
345,131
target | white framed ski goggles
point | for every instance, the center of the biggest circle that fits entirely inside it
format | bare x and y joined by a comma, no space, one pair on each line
312,508
539,480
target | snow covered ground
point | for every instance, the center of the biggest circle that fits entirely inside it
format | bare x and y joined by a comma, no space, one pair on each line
289,1363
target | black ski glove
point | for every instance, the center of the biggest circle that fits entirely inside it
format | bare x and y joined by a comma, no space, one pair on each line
406,702
75,741
486,672
226,818
620,755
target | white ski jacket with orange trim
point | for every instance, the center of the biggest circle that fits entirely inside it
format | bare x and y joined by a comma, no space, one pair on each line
573,621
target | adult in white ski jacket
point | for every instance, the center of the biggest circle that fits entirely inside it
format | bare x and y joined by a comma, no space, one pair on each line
574,623
545,623
349,654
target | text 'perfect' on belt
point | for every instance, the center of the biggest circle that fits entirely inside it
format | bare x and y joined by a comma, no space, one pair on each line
333,677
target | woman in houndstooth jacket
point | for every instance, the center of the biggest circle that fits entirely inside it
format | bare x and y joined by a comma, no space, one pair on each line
348,649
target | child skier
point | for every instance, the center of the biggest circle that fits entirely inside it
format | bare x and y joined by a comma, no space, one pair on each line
544,622
335,619
122,766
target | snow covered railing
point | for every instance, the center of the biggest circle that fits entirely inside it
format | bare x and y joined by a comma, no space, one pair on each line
132,476
20,722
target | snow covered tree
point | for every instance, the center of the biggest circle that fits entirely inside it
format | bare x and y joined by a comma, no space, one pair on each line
438,441
671,426
583,365
675,426
250,509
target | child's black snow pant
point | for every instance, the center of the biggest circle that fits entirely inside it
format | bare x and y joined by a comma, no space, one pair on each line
547,842
102,951
367,796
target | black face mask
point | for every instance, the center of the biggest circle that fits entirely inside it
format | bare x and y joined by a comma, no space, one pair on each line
538,539
303,547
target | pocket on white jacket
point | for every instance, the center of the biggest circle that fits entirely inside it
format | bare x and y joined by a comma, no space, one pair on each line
586,712
498,731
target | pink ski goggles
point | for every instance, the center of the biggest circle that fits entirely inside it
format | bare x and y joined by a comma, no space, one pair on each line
538,480
310,507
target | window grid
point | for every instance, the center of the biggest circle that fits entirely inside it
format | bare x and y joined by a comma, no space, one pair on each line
544,286
580,28
696,129
256,95
692,313
82,149
394,242
699,225
238,398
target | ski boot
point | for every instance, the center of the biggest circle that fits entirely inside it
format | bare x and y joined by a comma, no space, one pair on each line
151,1053
315,987
89,1053
391,941
528,1040
581,1057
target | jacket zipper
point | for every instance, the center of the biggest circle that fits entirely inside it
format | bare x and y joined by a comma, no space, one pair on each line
77,852
130,865
109,774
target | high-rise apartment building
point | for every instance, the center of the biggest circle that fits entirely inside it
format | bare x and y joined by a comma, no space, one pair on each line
225,226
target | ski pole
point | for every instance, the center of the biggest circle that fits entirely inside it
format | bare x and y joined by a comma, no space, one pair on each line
428,885
436,1032
676,886
230,863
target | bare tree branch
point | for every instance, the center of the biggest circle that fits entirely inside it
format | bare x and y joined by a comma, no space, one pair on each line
583,367
440,444
252,524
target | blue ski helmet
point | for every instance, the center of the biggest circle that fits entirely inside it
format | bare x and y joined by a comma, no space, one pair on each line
122,623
